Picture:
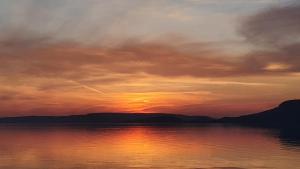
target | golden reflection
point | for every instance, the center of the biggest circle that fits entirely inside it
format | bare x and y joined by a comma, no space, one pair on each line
143,147
142,140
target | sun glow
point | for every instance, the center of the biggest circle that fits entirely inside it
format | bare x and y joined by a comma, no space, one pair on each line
137,102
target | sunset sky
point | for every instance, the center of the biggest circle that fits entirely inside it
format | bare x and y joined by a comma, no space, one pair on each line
199,57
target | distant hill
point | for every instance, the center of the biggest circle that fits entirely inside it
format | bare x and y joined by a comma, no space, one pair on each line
110,118
287,114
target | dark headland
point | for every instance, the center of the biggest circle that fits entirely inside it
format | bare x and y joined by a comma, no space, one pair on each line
286,115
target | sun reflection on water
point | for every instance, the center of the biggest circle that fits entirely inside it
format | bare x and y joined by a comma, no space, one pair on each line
143,147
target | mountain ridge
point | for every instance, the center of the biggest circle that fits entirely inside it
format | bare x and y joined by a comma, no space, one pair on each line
110,118
286,114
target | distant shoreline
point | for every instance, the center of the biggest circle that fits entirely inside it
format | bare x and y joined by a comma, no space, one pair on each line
286,115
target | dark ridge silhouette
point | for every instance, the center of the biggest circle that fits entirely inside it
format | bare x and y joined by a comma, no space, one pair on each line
286,115
110,118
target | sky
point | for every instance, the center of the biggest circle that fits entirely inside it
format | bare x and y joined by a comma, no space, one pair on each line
195,57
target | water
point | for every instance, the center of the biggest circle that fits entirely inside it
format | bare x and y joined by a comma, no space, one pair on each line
146,147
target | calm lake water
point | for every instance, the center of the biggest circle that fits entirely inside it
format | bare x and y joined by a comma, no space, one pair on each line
146,147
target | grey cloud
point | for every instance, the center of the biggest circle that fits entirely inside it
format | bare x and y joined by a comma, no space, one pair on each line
30,53
276,33
278,26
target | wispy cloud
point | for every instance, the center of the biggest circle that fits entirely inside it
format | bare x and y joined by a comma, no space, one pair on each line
88,87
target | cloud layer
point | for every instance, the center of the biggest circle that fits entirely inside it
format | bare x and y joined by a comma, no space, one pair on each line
142,73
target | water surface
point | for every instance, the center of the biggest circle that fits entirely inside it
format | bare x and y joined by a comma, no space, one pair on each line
143,147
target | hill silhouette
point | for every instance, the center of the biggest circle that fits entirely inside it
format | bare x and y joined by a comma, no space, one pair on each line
111,118
286,114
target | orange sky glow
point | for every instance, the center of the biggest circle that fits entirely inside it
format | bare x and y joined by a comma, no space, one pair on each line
185,57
